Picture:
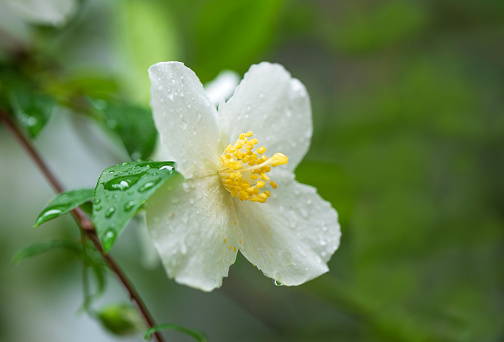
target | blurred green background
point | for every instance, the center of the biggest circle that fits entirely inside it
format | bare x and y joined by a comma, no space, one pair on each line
408,110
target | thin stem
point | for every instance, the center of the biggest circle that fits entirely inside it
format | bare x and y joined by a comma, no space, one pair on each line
82,221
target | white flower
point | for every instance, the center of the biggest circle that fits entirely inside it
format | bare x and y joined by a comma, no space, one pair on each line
230,199
49,12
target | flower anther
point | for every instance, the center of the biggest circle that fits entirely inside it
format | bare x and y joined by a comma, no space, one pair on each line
243,172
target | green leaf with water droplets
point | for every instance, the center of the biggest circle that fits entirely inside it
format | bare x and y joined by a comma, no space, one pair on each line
32,109
46,246
197,335
63,203
133,124
121,190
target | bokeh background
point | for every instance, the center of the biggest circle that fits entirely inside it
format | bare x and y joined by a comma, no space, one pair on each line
408,110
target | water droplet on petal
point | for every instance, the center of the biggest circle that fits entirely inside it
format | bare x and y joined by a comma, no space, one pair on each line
98,208
303,212
277,283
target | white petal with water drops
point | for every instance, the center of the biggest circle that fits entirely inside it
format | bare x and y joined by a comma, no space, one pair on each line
292,236
192,225
185,118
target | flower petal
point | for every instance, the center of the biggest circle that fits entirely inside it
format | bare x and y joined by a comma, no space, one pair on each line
222,87
51,12
185,118
292,236
189,222
275,107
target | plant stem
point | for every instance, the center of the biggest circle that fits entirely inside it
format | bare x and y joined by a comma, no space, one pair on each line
82,221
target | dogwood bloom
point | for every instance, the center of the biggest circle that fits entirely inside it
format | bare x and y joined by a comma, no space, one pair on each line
231,196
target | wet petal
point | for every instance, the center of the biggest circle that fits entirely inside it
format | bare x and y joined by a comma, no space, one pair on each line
222,87
189,222
275,107
292,236
185,118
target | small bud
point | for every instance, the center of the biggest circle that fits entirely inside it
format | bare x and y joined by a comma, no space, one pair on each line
121,319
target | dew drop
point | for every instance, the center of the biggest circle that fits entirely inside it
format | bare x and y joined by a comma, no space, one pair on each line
149,185
50,214
110,211
108,238
129,205
98,208
122,183
303,212
277,283
109,234
97,201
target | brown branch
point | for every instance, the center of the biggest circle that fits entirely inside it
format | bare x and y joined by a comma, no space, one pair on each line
82,221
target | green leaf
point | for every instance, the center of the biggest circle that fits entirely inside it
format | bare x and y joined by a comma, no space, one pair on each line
133,124
197,335
142,45
46,246
32,109
121,319
121,190
232,34
63,203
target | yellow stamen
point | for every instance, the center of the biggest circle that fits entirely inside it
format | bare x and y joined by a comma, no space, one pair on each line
243,172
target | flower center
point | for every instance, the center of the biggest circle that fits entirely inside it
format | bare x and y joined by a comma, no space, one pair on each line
243,172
